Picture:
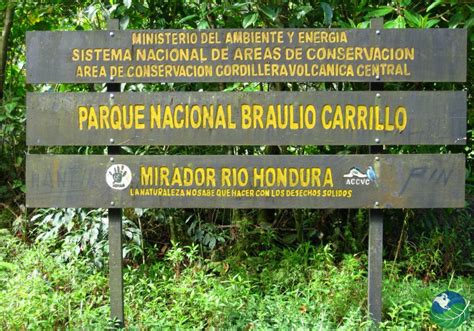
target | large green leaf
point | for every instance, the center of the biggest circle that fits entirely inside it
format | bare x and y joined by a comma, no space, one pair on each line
398,23
249,20
380,11
270,12
187,18
430,23
414,19
434,5
302,11
203,24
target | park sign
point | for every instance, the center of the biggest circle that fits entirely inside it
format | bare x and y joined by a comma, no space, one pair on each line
190,181
238,118
247,118
249,55
246,181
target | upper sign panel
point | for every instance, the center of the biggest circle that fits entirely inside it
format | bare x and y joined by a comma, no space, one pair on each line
253,55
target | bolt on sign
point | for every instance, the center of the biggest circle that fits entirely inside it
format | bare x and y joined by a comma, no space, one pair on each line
250,55
247,118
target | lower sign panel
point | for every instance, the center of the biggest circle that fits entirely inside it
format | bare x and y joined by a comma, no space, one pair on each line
319,181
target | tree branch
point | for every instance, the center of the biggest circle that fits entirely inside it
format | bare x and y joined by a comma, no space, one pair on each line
7,25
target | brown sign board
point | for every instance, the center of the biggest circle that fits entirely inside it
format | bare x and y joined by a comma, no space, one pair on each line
185,181
247,118
250,55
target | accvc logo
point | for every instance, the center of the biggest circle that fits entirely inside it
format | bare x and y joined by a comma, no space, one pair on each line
118,176
357,177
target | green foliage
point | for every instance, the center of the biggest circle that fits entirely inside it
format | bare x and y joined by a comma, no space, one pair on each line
436,243
301,288
206,234
408,302
37,292
225,269
71,233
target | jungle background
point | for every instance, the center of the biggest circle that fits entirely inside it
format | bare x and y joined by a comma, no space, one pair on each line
218,268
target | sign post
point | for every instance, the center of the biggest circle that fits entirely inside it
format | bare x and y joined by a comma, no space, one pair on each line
115,228
375,252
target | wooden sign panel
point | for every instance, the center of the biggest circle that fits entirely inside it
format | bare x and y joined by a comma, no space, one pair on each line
250,55
321,181
253,118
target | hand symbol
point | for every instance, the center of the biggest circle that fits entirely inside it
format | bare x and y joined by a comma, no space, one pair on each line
118,174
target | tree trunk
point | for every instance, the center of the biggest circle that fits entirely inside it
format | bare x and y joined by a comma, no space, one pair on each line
7,25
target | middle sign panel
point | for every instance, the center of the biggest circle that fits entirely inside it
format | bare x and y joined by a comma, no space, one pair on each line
247,118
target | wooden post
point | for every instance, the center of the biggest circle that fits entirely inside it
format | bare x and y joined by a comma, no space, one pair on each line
115,231
4,35
375,230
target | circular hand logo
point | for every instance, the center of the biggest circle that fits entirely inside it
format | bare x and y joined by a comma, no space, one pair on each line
118,176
